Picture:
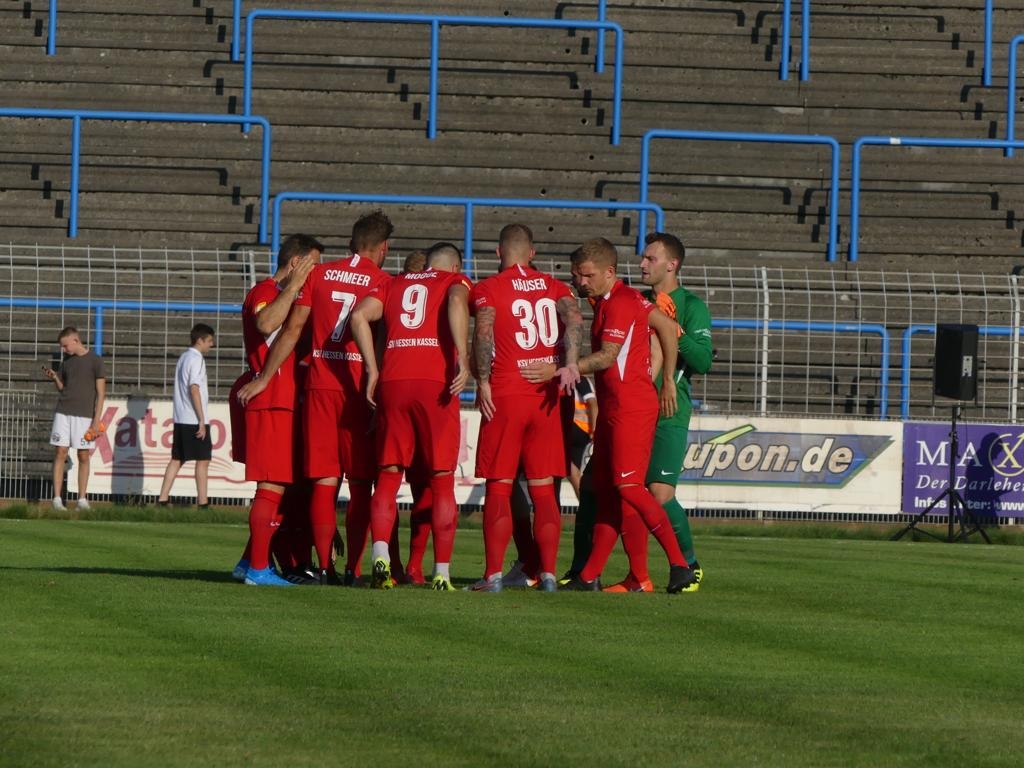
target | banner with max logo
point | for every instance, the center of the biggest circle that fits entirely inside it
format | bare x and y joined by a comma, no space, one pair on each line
989,471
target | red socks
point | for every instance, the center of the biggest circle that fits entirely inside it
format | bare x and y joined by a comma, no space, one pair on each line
419,530
547,525
383,507
357,522
323,517
634,541
606,533
263,522
497,524
446,516
522,532
656,519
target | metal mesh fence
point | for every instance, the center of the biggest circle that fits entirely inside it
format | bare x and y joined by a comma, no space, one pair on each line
789,341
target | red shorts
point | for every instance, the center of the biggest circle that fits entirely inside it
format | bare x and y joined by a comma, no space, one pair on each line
525,432
418,418
236,413
273,446
337,438
622,448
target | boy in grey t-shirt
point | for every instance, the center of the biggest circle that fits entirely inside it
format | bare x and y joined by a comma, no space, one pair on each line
76,421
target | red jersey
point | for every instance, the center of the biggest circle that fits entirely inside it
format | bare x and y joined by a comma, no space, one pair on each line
527,328
621,317
419,342
331,292
281,389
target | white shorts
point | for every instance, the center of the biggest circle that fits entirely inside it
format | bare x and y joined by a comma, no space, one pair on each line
70,431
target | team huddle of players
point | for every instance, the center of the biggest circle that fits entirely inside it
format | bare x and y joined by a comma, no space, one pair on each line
356,374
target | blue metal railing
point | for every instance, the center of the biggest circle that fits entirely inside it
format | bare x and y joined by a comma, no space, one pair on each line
805,40
51,30
785,54
468,204
896,141
76,116
602,16
236,24
808,327
776,138
986,70
805,37
1011,92
99,307
908,335
435,22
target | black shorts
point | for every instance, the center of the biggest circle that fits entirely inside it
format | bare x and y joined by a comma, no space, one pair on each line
576,445
188,447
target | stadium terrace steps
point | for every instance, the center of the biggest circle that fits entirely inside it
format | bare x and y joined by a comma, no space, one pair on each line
521,113
698,66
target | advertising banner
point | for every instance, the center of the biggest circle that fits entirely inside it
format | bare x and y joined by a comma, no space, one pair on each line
765,464
989,473
130,457
818,465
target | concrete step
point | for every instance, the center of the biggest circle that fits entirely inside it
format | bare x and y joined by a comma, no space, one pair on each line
114,96
151,25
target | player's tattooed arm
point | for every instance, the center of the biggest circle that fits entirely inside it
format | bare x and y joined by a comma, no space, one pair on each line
572,318
483,343
603,358
572,340
483,358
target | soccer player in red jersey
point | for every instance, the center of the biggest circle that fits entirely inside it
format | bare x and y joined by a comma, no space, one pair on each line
620,358
522,316
272,438
418,478
425,319
335,416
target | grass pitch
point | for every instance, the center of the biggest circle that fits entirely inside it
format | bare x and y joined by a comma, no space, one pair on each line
127,644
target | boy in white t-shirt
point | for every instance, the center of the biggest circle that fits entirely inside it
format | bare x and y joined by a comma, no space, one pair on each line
191,409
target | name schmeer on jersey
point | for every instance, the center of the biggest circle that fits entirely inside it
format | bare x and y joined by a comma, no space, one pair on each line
341,276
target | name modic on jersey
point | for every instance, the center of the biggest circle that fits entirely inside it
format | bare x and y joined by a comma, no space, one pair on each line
419,275
343,276
535,284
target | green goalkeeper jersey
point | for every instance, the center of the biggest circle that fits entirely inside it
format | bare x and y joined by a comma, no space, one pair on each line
695,351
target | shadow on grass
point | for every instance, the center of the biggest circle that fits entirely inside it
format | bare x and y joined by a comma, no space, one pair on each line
192,575
189,575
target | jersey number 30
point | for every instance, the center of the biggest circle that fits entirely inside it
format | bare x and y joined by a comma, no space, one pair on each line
539,322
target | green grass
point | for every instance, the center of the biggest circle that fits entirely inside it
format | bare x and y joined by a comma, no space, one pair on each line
127,644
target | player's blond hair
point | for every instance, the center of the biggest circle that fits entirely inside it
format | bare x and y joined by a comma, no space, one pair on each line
416,261
599,251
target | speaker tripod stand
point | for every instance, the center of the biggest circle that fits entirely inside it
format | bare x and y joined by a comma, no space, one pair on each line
959,515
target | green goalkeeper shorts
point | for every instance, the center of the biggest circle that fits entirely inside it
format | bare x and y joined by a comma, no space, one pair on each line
667,454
